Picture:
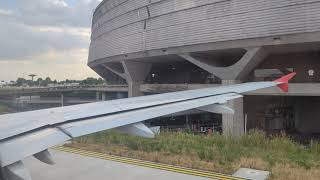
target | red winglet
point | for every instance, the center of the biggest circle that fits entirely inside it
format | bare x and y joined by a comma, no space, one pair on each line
284,81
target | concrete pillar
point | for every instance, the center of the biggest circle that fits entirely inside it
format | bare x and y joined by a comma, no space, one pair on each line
134,89
187,122
103,96
233,124
97,96
136,73
1,174
62,100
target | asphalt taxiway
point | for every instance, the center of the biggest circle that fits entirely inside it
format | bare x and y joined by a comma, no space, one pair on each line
70,166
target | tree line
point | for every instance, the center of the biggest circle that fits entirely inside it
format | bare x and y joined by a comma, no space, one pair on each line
47,81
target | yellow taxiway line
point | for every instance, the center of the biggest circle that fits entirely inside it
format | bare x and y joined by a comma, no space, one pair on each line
148,164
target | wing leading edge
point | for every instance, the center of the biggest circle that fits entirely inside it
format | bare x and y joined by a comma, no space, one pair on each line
32,133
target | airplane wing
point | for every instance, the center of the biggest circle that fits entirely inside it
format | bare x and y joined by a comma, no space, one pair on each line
32,133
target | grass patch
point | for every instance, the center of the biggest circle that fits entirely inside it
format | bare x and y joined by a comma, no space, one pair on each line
214,152
3,108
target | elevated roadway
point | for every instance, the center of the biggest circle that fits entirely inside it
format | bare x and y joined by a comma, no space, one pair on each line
296,89
60,89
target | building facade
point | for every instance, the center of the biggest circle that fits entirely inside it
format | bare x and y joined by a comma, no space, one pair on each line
158,46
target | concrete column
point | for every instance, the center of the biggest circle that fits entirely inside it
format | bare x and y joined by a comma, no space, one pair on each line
1,174
233,124
97,96
103,96
136,73
63,100
134,89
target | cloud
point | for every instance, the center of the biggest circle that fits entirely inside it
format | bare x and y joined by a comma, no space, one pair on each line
56,12
4,12
21,41
36,26
43,32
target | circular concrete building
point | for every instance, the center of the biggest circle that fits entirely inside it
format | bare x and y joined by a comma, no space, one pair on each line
167,45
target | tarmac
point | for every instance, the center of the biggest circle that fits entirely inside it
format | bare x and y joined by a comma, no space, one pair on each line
70,166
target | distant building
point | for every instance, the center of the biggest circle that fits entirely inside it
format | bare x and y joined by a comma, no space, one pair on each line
6,83
2,83
170,45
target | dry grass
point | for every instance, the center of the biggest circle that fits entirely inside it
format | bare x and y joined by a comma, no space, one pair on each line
284,158
294,172
185,160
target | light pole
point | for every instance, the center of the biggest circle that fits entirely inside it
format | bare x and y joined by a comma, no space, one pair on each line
32,76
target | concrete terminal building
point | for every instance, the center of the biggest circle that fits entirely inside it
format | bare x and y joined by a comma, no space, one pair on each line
168,45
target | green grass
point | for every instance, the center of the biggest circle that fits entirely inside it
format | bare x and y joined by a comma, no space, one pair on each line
213,152
3,108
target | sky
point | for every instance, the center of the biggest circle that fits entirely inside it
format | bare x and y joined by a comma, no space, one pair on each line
45,37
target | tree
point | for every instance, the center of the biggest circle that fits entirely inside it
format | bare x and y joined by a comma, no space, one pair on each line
46,81
101,81
90,81
39,82
21,81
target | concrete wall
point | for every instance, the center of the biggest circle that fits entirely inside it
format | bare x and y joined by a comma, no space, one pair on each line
122,27
301,62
